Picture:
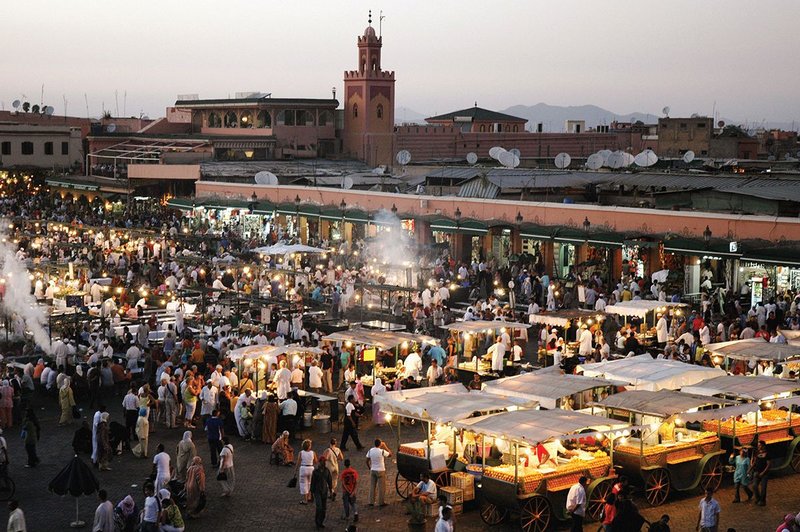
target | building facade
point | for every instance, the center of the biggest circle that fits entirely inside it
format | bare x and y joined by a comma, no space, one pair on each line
47,147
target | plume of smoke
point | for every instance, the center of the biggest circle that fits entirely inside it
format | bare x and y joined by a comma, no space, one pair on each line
18,298
393,248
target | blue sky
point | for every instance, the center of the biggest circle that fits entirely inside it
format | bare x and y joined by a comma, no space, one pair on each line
622,55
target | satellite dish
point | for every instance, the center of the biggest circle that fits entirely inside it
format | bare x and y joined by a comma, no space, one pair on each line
110,128
508,159
266,178
721,123
49,110
495,152
472,158
347,182
378,170
616,160
688,157
403,157
515,151
594,162
35,109
798,153
15,104
646,158
665,110
695,115
605,154
628,159
562,160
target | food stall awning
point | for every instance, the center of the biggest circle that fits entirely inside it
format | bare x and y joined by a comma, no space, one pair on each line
468,227
221,204
645,373
535,426
184,204
546,389
380,339
745,387
283,249
252,352
560,318
640,307
263,207
755,348
477,326
663,403
445,404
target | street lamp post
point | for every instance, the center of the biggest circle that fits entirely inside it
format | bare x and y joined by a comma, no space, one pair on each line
342,207
707,236
297,215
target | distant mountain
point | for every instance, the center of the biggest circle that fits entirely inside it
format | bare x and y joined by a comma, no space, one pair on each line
404,115
553,117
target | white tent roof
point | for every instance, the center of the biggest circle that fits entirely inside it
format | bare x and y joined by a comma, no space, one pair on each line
745,387
640,307
535,426
380,339
645,373
663,403
257,351
283,249
481,325
445,404
562,317
544,388
755,348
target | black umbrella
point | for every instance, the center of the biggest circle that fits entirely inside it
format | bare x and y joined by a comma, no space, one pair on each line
77,479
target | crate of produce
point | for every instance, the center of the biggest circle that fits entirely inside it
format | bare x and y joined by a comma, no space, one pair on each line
466,483
454,495
458,509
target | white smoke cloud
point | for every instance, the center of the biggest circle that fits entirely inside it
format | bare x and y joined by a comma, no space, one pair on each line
18,298
392,248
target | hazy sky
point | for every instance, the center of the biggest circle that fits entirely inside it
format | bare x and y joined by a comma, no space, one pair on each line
634,55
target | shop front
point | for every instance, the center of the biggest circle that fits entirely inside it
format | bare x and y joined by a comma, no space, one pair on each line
766,273
702,266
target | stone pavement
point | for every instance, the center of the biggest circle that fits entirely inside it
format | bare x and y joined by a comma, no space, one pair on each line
262,501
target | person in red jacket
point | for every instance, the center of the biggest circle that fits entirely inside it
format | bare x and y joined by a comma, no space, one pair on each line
349,481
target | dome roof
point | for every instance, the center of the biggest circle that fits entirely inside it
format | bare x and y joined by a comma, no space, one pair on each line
369,32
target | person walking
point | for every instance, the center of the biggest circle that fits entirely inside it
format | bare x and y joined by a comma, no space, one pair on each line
331,458
130,403
142,433
376,457
576,503
161,467
349,478
350,430
741,473
708,517
152,509
16,517
195,488
759,468
215,432
104,451
104,514
305,468
31,433
225,473
321,489
183,456
66,400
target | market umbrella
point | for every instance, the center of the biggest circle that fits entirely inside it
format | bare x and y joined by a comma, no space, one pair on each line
77,479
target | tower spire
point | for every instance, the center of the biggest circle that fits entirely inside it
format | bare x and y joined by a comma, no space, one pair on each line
369,20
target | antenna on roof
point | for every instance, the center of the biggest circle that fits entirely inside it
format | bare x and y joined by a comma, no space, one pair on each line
665,110
380,23
562,160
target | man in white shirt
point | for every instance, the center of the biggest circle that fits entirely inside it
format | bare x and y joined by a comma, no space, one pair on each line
132,355
16,519
708,518
661,331
161,465
315,377
424,493
434,372
377,471
516,352
283,381
585,340
600,304
497,352
413,365
151,509
208,400
298,377
576,504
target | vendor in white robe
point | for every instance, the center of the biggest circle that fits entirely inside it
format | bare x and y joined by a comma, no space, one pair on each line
377,390
497,352
283,381
661,330
95,422
585,338
245,400
413,365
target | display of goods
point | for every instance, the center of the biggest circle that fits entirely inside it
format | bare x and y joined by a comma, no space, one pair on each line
742,428
529,479
475,468
458,509
599,467
774,435
774,415
683,455
563,482
464,481
413,451
454,495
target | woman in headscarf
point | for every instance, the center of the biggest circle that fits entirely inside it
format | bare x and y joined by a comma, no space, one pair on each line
283,450
143,433
226,408
186,451
66,400
103,443
270,423
195,487
7,405
31,430
126,516
377,390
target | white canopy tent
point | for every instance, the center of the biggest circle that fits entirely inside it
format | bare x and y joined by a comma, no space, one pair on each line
284,249
477,326
645,373
252,352
745,387
546,389
562,318
662,403
755,348
641,307
380,339
530,427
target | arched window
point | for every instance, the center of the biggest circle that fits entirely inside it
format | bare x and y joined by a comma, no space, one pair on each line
379,110
214,120
246,120
325,118
363,63
230,119
263,119
355,110
507,128
516,128
483,128
374,64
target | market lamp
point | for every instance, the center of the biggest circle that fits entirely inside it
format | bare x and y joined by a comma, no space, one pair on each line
254,197
586,224
457,214
343,205
394,209
707,236
519,218
297,200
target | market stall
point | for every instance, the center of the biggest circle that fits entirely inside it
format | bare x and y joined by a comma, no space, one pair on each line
666,453
769,415
567,392
643,372
647,312
746,353
532,457
258,359
474,338
437,408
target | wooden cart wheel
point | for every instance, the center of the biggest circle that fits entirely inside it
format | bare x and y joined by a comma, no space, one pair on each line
711,477
442,480
796,458
656,486
597,498
493,515
535,514
403,486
